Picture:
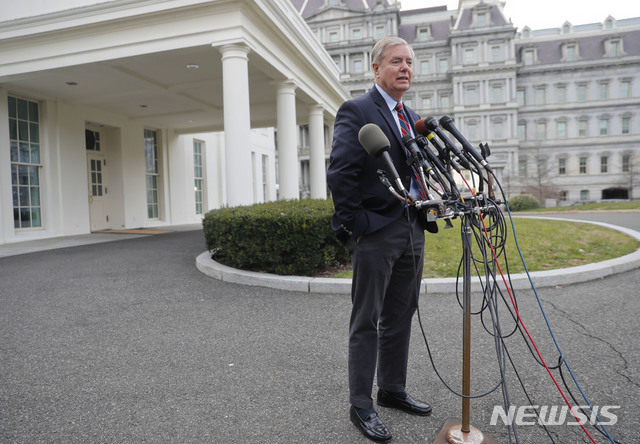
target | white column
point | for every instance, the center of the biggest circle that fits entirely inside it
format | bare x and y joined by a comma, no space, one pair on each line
287,141
317,171
237,124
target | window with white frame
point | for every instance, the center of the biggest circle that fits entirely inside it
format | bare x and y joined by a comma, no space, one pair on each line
603,90
581,92
379,32
427,103
443,65
24,147
584,194
520,97
496,54
582,128
522,167
424,67
497,95
541,130
469,56
198,176
626,121
497,127
423,34
626,163
604,164
604,126
561,129
562,166
561,93
540,95
356,34
625,89
472,130
528,56
445,101
152,172
582,164
522,131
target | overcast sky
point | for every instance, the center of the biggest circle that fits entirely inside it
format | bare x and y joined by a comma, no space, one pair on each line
540,14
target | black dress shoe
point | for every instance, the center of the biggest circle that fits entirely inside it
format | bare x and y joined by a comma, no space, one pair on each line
371,427
403,402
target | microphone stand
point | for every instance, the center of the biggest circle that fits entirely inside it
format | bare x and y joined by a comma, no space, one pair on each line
454,430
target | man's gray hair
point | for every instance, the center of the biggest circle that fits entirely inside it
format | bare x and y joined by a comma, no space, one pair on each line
380,48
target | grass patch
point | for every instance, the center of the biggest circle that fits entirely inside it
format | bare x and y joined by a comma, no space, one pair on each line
545,245
596,206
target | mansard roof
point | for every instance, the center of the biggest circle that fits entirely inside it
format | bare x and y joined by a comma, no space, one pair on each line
313,7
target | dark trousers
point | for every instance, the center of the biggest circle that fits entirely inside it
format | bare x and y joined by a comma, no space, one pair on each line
387,270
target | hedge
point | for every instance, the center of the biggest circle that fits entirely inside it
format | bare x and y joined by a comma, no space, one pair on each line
286,237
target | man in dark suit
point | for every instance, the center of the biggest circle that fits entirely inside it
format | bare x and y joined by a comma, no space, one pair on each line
385,239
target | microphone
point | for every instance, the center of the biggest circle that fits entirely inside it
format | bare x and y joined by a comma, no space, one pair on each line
423,144
421,128
447,123
432,124
373,139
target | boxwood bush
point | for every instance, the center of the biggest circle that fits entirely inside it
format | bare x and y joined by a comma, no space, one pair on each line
286,237
523,202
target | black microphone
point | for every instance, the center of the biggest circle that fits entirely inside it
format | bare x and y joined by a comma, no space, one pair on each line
423,144
373,139
432,124
447,123
421,128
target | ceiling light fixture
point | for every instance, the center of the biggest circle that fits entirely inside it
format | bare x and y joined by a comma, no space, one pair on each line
192,66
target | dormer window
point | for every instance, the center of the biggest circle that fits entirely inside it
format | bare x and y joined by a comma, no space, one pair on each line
423,34
566,28
613,47
609,23
481,19
570,51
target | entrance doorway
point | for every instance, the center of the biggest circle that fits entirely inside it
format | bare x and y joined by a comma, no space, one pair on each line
96,179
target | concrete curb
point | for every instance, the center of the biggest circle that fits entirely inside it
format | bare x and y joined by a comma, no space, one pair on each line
520,281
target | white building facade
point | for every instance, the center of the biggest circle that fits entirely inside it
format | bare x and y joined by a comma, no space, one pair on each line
125,114
558,107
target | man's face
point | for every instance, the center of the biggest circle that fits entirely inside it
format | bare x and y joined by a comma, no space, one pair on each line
395,71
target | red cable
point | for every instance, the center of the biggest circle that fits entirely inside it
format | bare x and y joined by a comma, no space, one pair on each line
522,323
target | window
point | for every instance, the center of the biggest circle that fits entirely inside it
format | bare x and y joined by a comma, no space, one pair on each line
540,96
626,163
498,129
561,94
496,94
357,66
564,195
265,177
613,48
582,128
152,172
603,91
198,176
571,53
482,19
24,142
541,130
528,57
445,101
379,32
561,130
584,194
423,34
356,34
542,167
424,67
625,89
520,96
426,103
581,93
562,166
496,54
472,131
604,164
443,65
522,131
522,167
625,125
471,96
582,162
604,127
333,36
469,56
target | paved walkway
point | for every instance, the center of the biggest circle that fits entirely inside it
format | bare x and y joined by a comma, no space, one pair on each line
128,342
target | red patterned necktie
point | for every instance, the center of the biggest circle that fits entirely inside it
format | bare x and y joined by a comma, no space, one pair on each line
404,125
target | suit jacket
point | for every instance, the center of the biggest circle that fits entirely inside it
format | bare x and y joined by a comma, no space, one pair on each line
362,203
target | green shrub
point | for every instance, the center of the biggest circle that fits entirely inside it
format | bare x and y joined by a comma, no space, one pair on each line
287,237
523,202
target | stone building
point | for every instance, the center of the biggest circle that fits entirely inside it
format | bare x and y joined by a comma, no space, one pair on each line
558,107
